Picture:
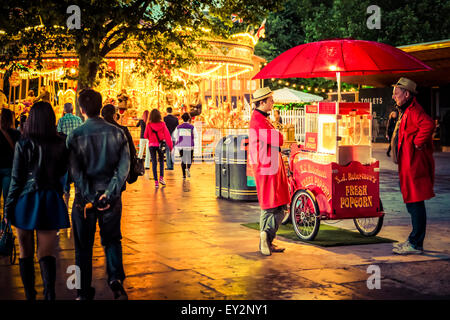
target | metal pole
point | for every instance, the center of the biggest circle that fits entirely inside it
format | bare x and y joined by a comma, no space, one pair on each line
338,77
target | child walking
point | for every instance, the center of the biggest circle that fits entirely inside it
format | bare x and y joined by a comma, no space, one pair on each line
185,136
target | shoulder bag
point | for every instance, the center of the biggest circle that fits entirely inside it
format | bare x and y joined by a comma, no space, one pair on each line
162,143
7,246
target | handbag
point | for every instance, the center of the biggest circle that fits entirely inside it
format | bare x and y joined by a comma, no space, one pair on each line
162,143
136,169
7,246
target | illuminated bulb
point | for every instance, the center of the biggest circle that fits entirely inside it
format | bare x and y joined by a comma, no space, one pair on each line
332,68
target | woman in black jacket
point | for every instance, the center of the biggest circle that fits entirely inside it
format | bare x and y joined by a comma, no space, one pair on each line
35,200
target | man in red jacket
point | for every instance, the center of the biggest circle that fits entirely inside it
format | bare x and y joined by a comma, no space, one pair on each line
414,145
267,166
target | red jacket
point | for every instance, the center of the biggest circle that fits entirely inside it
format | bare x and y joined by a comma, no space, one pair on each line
163,134
266,163
416,167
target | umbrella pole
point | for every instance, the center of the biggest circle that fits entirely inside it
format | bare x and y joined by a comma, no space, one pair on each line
338,78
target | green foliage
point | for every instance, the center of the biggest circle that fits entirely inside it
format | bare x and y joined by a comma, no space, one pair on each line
166,31
302,21
291,106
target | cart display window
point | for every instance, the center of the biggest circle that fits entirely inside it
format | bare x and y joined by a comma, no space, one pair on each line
354,123
332,175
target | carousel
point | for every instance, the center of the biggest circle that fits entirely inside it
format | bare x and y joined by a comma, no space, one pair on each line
216,91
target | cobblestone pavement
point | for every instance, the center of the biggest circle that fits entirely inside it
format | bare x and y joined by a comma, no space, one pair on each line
181,242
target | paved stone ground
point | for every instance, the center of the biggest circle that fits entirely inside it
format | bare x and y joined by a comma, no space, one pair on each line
181,242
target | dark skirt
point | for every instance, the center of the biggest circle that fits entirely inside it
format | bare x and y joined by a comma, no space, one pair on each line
41,210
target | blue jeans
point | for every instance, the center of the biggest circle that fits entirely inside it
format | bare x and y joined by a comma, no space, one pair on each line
169,158
419,223
154,151
5,180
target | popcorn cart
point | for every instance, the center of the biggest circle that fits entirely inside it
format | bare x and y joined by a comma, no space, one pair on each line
333,175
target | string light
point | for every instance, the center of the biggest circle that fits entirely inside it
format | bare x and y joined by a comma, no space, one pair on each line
201,74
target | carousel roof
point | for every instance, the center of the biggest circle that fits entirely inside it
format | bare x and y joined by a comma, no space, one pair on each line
287,95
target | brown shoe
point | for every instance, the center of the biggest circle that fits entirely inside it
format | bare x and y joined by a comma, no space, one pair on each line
274,248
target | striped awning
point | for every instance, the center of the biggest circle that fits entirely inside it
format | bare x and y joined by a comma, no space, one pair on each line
287,95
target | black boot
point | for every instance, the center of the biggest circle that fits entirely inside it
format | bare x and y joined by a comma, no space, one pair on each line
26,266
48,273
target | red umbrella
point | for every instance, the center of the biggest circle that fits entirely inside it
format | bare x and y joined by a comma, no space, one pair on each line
340,57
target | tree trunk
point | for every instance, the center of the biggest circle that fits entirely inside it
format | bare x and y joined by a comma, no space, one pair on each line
87,71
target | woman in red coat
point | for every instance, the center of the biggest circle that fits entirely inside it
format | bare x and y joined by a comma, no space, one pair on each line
415,162
267,166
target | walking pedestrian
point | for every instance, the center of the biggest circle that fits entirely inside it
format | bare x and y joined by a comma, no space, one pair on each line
8,138
108,113
155,132
390,129
375,127
99,160
185,136
143,143
267,166
35,200
66,124
412,139
171,122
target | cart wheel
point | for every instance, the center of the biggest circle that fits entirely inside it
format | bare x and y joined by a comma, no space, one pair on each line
370,227
305,215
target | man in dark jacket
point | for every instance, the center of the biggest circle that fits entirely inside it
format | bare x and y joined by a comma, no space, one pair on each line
99,164
171,123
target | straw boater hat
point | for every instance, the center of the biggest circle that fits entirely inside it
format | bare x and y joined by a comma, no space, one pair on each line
407,84
261,94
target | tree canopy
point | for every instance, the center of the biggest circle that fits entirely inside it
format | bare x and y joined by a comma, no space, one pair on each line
302,21
165,31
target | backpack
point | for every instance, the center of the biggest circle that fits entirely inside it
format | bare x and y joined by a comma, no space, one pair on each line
136,169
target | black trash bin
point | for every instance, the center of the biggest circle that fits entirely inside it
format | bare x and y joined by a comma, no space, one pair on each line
232,181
